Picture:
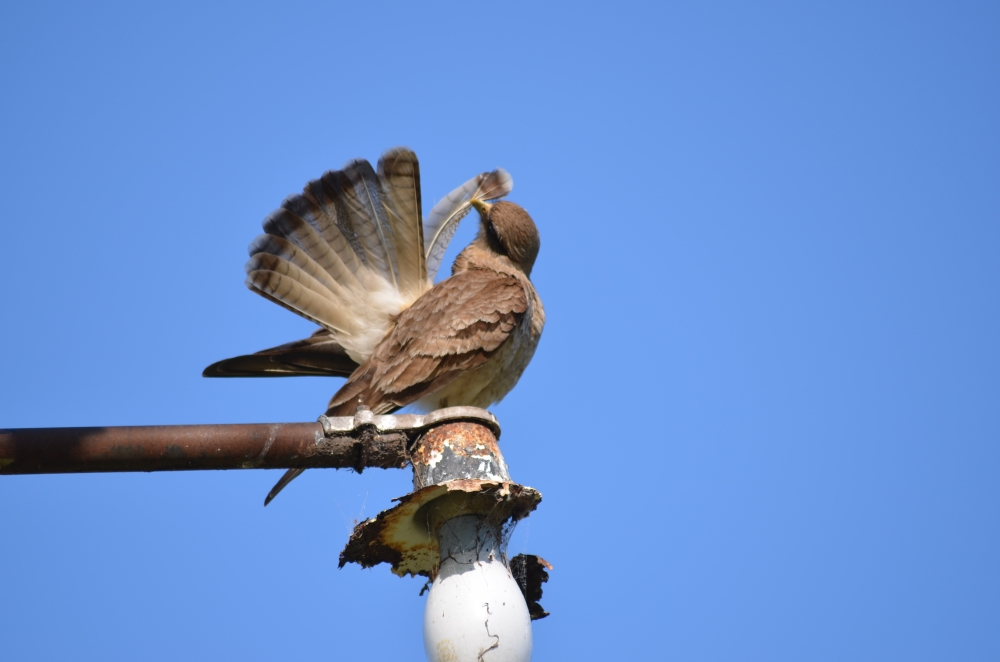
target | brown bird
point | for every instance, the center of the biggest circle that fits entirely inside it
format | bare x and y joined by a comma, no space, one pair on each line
351,254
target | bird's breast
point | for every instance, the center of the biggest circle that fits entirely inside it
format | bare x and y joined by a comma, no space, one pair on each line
490,382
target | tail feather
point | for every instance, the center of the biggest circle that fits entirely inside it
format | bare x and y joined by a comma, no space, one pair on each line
359,189
497,184
444,218
399,176
320,209
288,477
324,286
287,291
336,257
284,249
319,354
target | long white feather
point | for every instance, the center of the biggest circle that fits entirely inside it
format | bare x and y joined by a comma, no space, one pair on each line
443,220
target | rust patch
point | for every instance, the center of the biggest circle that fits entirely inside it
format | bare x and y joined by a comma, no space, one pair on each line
530,572
463,438
459,450
405,536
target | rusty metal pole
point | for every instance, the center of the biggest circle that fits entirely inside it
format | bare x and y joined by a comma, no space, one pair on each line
193,447
356,442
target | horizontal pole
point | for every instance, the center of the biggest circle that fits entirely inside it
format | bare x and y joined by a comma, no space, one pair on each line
196,447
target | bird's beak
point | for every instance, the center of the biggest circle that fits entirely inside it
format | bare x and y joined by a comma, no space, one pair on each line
482,207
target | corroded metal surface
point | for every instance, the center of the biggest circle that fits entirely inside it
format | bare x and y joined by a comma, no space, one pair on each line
531,572
458,470
459,450
189,447
405,536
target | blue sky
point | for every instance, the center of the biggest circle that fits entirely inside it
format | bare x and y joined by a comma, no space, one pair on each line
764,413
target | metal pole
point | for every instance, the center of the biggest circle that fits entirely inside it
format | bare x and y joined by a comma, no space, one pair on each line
334,442
190,447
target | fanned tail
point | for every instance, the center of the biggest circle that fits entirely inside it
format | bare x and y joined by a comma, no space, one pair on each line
347,253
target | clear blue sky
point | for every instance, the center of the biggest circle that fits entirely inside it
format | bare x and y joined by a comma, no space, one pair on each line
765,413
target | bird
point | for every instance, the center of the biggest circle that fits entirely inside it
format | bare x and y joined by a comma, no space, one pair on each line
352,254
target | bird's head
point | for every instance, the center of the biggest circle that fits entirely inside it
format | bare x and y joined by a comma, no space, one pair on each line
509,231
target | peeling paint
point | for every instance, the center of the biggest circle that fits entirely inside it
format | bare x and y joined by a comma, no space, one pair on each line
457,450
458,471
405,536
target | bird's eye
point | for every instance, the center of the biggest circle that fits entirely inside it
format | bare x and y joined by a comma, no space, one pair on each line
493,236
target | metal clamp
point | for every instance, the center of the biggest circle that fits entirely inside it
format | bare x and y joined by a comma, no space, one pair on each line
338,426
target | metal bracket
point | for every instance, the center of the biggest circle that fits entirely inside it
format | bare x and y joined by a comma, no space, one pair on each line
339,426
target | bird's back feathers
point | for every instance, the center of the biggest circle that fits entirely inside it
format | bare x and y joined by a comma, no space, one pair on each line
453,329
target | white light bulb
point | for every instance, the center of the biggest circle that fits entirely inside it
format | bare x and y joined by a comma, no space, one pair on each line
475,609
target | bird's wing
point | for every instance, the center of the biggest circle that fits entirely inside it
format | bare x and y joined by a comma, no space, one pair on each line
452,329
319,354
442,222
